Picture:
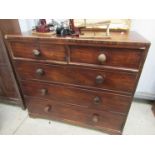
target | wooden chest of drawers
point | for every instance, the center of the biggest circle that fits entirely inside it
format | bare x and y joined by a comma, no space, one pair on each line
9,90
87,82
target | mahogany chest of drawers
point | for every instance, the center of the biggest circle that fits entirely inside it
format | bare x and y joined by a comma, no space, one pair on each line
87,82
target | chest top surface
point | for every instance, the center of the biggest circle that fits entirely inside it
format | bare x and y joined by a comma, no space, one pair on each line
128,39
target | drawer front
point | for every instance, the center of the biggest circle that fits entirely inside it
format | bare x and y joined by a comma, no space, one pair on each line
98,79
74,114
50,52
116,57
76,96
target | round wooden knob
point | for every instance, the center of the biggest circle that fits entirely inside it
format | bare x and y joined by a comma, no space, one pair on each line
36,53
97,100
102,58
40,71
43,92
95,118
99,79
47,108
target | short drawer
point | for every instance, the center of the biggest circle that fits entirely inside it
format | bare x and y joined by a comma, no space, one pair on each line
115,57
104,121
84,77
49,52
76,96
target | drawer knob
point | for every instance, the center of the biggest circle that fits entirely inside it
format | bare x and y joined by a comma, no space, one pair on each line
99,79
95,118
36,53
102,58
47,108
43,92
97,100
40,71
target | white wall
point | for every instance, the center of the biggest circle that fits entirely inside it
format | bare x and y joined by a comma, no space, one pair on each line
26,24
146,86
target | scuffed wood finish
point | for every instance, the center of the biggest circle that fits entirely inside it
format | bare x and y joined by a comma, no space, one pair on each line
117,57
47,52
77,115
9,88
53,52
10,26
126,40
76,96
68,83
2,56
112,80
24,50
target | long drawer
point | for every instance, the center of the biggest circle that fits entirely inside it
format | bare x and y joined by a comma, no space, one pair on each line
104,121
31,50
91,78
104,56
76,96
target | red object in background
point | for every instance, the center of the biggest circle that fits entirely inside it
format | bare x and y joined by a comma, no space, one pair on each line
42,26
42,21
71,24
75,30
